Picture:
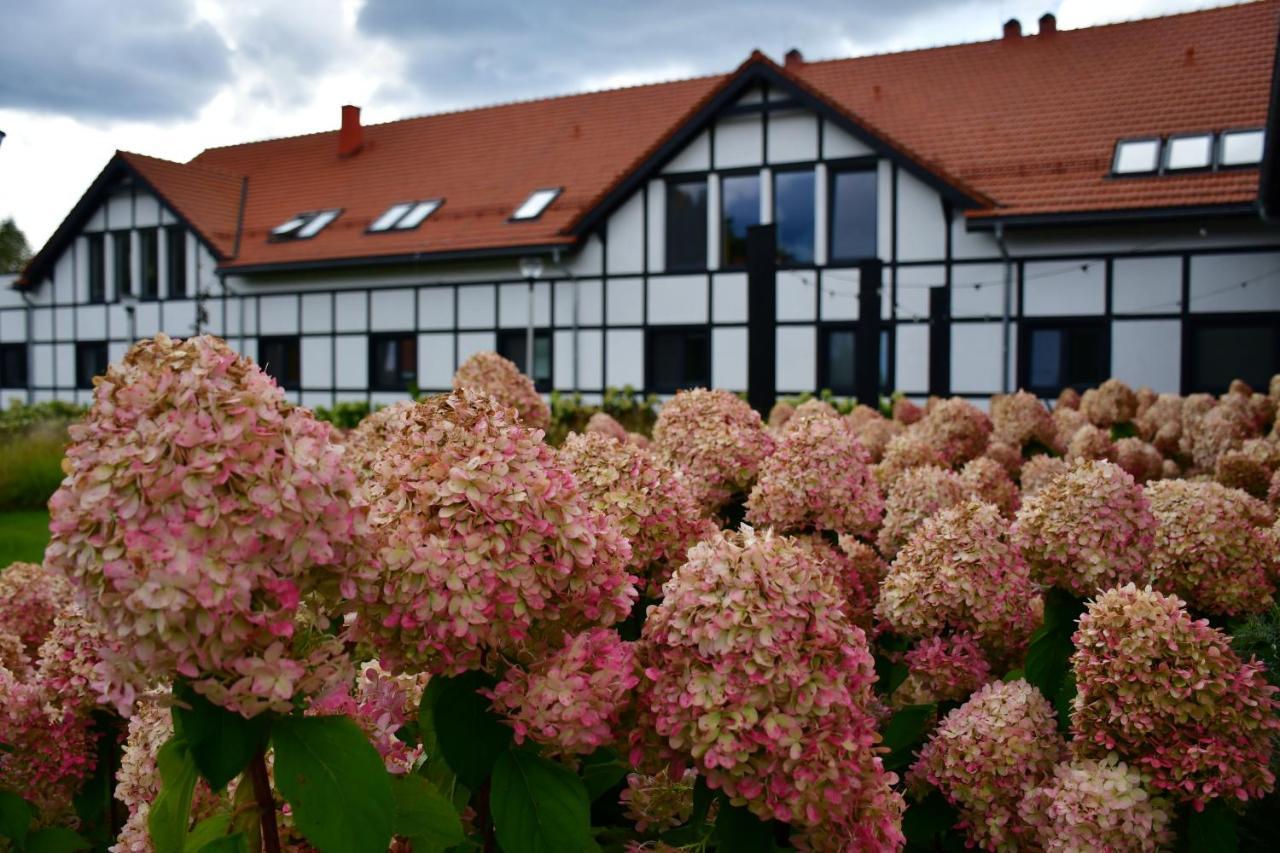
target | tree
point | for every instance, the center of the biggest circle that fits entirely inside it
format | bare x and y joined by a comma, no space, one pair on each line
14,249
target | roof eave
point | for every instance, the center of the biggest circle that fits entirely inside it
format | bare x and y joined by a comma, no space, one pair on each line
400,259
987,222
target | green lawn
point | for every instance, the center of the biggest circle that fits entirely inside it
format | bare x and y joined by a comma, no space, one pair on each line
23,536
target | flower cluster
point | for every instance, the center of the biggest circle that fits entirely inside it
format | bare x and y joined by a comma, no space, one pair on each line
606,424
659,801
754,673
491,374
716,439
1112,402
1090,442
31,596
1087,530
648,504
986,754
957,429
381,704
1140,459
861,570
1092,804
987,480
809,409
779,414
1039,471
1251,467
69,666
961,574
364,445
905,451
1021,419
1161,423
572,701
1168,694
906,412
914,496
818,478
485,543
1221,429
1213,547
941,669
875,434
200,518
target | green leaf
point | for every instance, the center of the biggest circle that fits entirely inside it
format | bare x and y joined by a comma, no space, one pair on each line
538,806
1212,830
702,798
16,815
1124,430
423,815
1049,655
94,802
171,809
221,741
336,782
470,735
928,822
208,830
904,732
56,839
601,771
739,830
234,843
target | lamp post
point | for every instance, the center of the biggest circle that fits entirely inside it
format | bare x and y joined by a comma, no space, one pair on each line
531,269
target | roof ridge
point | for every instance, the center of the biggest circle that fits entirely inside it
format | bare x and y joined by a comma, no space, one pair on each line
212,171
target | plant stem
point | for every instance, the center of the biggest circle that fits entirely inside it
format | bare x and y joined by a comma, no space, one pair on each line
483,819
266,802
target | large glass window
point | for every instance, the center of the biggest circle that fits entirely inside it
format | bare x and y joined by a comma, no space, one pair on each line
678,358
511,345
97,268
393,362
149,246
838,359
687,225
281,358
176,261
122,272
13,365
793,213
853,215
1064,354
91,361
1245,348
739,210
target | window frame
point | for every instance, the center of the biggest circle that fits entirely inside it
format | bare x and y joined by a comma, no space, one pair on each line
6,380
1220,144
295,341
1167,151
96,264
651,332
556,192
802,168
83,382
175,262
1192,323
1028,325
149,263
395,227
1146,173
306,217
542,386
835,168
119,266
667,224
381,337
728,174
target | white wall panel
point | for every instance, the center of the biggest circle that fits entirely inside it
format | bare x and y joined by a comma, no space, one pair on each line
657,225
587,260
8,398
249,348
146,210
64,323
739,142
793,137
975,357
167,217
797,295
316,353
1146,285
513,305
120,211
795,362
884,210
820,238
476,306
562,364
840,294
913,288
470,343
317,312
117,320
42,324
729,359
65,365
148,319
97,220
435,308
713,221
922,227
625,246
81,248
1147,352
382,399
116,351
987,300
180,317
42,364
435,361
838,142
912,366
695,157
1057,288
624,358
350,312
280,315
13,326
591,360
352,355
625,304
678,299
589,301
1216,280
392,310
315,399
729,297
64,278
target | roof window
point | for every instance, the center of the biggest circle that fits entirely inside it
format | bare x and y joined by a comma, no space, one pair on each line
405,215
1194,151
1240,148
536,203
1136,156
304,226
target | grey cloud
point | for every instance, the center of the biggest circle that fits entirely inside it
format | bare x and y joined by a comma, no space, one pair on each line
94,59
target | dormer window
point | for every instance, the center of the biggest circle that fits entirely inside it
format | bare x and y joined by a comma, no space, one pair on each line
406,215
304,226
1194,151
536,203
1136,156
1240,148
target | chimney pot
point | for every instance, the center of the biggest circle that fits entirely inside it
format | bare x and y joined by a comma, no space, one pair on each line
793,58
351,134
1012,29
1048,24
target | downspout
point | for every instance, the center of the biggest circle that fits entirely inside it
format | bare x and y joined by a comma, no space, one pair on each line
31,328
1008,308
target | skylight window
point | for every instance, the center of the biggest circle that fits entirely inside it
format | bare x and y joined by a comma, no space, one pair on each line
405,215
1240,148
1136,156
536,203
1189,152
304,225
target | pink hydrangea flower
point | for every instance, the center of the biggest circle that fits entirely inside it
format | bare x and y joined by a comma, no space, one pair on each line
1221,429
1161,423
70,662
987,480
660,801
364,445
1091,804
606,424
31,597
985,756
381,704
1021,419
1112,402
1040,470
875,434
957,429
489,373
1090,442
486,544
818,478
914,496
1251,467
1068,398
202,521
906,451
755,676
779,414
861,570
1006,456
1087,530
1141,460
1168,694
941,669
906,412
572,701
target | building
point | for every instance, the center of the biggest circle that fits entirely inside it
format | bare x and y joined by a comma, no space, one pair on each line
1034,211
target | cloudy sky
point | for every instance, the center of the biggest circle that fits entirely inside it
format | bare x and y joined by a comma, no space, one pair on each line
82,78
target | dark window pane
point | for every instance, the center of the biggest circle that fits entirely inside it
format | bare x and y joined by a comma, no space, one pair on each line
281,359
176,262
97,269
393,362
91,361
1046,358
853,217
122,269
687,225
13,366
838,355
679,358
511,345
1071,355
740,209
1221,352
149,244
793,214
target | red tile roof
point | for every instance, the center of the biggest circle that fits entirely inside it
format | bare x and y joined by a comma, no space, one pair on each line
207,198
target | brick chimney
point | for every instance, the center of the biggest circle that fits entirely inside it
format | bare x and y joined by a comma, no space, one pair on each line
794,58
1048,24
351,134
1012,29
